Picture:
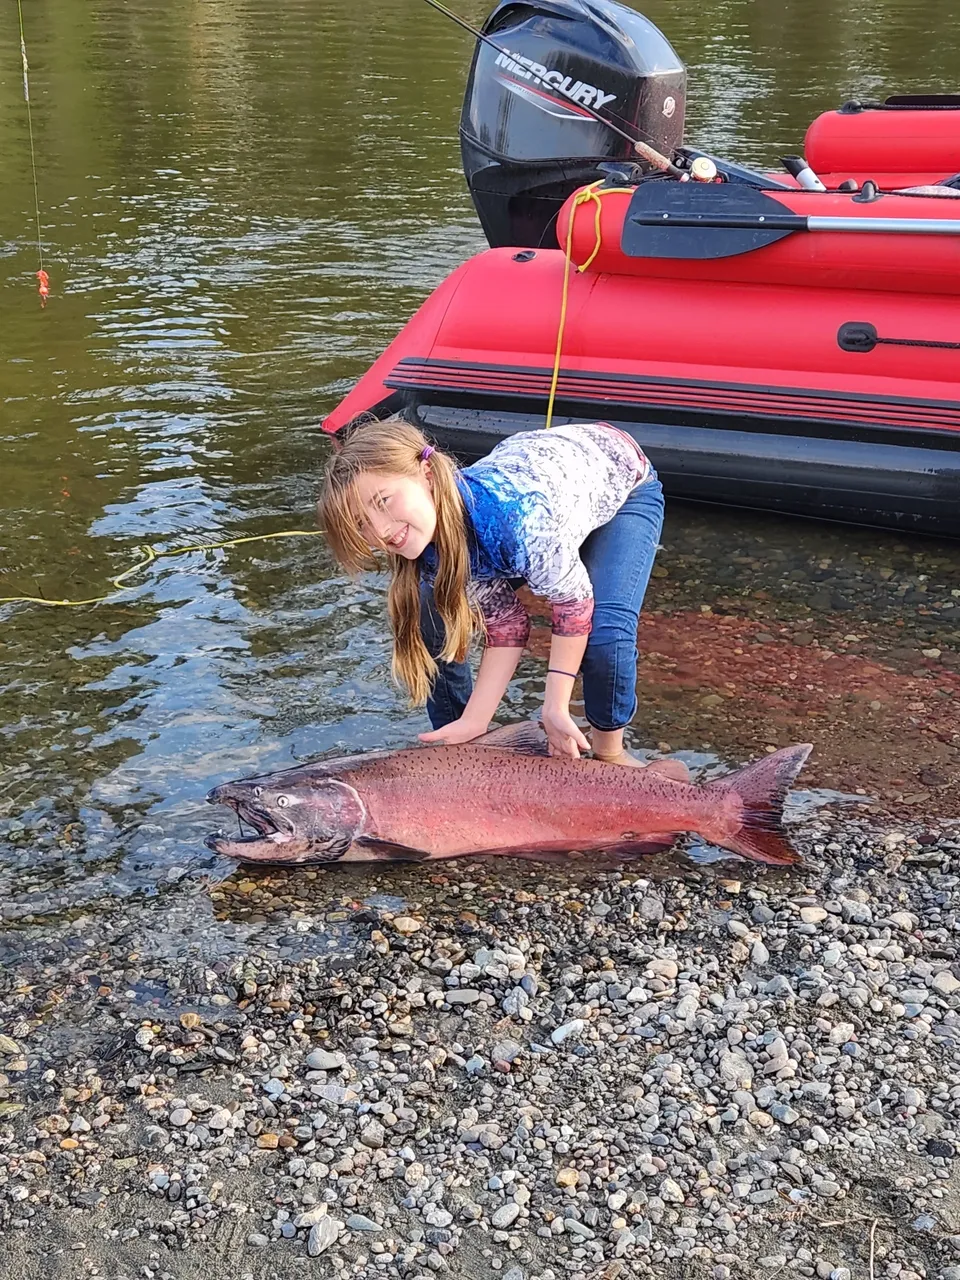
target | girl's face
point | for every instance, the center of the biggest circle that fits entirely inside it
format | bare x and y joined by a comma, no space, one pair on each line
399,512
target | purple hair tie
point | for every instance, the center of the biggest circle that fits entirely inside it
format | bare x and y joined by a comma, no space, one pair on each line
425,453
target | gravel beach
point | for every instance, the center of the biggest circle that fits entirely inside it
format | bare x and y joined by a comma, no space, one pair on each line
505,1070
673,1069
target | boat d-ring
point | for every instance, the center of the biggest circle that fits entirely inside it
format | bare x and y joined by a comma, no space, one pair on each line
869,193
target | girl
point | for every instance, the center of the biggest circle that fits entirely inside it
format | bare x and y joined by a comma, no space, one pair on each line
574,513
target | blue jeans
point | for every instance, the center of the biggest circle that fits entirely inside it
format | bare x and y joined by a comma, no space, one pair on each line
619,557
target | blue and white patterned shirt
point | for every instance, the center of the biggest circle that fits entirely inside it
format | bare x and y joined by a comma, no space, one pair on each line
530,504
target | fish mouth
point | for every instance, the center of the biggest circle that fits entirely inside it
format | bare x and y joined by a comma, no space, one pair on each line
272,831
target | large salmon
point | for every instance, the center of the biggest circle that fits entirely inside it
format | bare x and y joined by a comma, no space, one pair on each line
500,794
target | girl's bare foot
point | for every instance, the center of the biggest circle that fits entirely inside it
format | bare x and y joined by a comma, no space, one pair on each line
622,757
676,770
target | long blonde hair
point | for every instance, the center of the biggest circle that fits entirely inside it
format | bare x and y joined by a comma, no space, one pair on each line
394,447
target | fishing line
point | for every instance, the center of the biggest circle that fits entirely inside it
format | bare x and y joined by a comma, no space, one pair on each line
149,554
42,277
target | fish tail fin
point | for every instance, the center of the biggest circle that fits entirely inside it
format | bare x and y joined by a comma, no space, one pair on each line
762,788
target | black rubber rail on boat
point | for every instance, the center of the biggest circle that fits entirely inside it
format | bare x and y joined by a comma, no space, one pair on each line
721,220
861,337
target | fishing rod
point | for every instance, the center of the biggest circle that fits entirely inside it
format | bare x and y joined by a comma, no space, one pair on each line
650,154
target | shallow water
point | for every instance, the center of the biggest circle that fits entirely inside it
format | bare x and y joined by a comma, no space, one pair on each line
240,206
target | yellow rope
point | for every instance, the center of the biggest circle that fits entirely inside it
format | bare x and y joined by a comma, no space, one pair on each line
582,197
596,228
149,554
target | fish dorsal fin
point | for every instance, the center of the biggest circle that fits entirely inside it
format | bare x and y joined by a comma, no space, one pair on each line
526,738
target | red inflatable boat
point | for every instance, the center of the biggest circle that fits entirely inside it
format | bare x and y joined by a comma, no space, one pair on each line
903,142
768,345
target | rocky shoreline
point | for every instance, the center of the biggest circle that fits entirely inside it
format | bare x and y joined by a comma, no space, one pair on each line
517,1071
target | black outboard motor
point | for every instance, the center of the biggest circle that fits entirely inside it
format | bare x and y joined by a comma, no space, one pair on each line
527,141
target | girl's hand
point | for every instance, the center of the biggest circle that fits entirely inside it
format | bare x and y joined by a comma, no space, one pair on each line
461,730
564,737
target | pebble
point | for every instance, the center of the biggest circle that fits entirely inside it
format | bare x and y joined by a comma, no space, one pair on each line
506,1051
576,1228
561,1033
373,1134
324,1060
406,925
322,1235
462,995
180,1116
505,1216
359,1222
813,915
516,1003
310,1217
903,920
941,1149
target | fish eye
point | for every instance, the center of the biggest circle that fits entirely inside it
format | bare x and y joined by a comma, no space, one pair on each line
257,792
282,801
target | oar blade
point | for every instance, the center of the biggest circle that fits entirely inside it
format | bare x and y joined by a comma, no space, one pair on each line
649,232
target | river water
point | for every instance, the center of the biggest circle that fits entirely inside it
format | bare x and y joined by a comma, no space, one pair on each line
241,204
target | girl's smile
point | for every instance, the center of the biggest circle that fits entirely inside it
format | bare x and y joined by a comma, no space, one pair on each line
398,511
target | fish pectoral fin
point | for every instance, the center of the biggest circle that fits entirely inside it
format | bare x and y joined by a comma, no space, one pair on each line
641,846
526,738
391,852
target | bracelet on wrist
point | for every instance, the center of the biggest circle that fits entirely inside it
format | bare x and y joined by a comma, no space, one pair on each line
555,671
